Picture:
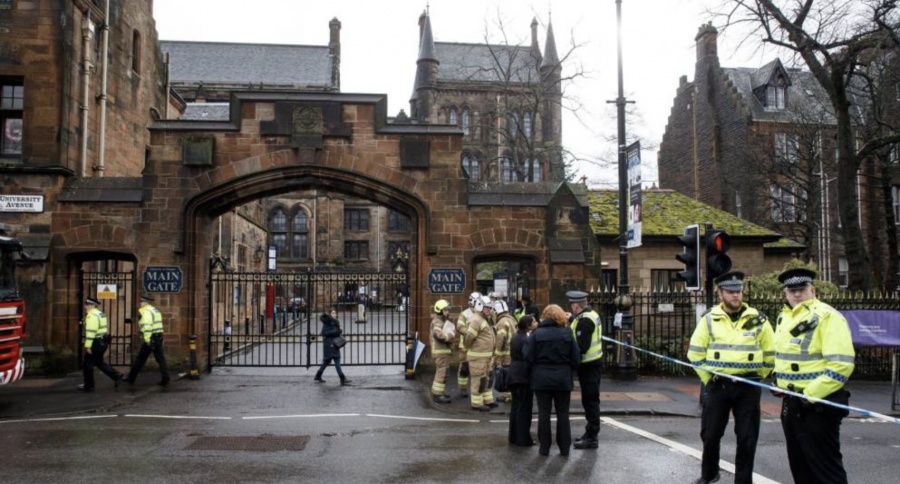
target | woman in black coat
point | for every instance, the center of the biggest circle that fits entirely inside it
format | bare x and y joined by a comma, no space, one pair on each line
553,354
520,385
331,329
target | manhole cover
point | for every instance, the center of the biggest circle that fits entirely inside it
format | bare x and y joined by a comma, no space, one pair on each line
258,443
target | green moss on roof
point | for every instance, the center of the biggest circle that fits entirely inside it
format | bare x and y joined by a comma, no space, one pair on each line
784,243
666,213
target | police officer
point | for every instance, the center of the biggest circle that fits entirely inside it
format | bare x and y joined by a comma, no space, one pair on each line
814,356
479,346
462,324
734,339
586,327
441,344
151,327
96,341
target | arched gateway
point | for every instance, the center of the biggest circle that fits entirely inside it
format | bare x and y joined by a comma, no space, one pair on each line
276,143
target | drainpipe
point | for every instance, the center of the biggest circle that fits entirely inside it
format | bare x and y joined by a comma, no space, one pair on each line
104,69
168,86
87,30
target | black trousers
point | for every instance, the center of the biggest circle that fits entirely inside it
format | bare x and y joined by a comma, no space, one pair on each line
589,380
520,414
813,436
156,348
95,359
547,401
724,397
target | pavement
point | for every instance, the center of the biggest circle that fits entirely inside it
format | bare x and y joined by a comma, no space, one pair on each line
39,397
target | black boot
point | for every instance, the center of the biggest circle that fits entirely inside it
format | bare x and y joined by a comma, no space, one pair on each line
345,381
318,378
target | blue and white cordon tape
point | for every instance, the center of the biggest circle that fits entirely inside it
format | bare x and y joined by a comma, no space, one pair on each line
863,412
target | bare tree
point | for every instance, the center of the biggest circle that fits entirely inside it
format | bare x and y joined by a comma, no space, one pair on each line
833,37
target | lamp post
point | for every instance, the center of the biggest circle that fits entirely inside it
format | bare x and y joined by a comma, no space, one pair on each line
626,365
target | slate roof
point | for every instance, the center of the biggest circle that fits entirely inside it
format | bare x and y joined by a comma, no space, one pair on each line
485,62
806,100
665,213
206,112
231,63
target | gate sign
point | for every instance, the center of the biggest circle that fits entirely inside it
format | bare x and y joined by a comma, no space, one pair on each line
447,281
163,278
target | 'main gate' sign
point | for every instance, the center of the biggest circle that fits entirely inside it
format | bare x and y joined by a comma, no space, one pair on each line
163,278
446,281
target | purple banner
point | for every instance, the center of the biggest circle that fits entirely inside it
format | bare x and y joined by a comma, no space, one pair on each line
874,328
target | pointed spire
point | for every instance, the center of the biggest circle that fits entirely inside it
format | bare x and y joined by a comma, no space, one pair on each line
535,47
426,45
551,59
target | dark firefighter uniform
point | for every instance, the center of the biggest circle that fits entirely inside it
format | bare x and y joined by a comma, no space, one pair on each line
96,341
151,326
586,328
814,356
737,343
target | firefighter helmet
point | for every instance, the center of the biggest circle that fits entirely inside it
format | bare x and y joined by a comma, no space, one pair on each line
475,296
500,306
441,305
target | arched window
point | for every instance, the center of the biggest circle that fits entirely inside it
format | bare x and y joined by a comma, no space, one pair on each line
465,121
135,51
534,167
512,124
526,125
453,117
507,172
278,232
471,166
300,235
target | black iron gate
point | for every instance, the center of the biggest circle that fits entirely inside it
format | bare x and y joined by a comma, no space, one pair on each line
116,292
272,319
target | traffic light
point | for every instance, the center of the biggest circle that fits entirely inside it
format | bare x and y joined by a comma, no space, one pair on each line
690,257
717,261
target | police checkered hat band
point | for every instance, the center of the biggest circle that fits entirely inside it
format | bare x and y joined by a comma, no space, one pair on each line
90,300
797,278
797,281
731,281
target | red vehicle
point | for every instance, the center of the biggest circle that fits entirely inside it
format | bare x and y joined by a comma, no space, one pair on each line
12,314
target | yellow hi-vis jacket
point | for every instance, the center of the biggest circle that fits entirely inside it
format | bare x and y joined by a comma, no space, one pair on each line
595,352
479,343
813,349
462,324
745,347
503,331
440,345
96,325
151,321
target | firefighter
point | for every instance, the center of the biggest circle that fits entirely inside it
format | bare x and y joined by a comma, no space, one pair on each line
151,327
814,357
462,324
479,345
96,341
586,328
503,331
441,348
731,338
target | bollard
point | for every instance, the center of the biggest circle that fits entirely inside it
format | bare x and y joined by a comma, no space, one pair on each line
193,372
410,358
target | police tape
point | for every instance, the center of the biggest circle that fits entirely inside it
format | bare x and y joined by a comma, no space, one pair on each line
781,391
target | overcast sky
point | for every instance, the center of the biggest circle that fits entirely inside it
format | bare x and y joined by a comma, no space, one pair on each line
379,46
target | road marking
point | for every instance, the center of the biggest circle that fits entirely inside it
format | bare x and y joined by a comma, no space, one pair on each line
176,417
263,417
724,465
429,419
56,419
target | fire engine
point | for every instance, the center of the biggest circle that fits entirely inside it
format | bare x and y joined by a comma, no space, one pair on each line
12,314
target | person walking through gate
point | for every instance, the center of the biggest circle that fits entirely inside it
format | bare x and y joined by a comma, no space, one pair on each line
586,328
151,327
96,341
814,356
553,355
443,335
520,411
331,329
734,339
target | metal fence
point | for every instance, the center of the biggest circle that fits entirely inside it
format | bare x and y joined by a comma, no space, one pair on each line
664,322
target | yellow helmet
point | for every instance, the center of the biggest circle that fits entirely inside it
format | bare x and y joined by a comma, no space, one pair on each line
441,305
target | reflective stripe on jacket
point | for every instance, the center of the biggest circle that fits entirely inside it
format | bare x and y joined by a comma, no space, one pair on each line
595,351
479,338
503,331
440,345
744,347
819,360
151,322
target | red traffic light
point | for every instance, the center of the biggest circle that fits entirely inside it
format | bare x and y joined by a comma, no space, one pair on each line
717,261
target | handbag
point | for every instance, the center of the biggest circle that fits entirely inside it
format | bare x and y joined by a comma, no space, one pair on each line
501,378
339,342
